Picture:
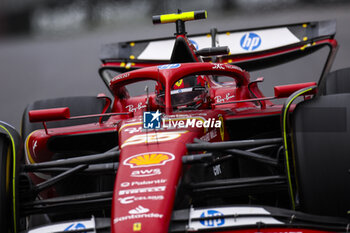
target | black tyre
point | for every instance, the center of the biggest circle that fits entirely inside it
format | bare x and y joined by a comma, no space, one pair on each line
337,82
321,149
80,105
6,220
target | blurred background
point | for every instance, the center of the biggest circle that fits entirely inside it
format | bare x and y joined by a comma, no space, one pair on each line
50,48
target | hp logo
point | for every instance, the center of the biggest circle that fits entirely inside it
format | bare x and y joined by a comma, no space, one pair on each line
170,66
250,41
195,44
76,226
212,222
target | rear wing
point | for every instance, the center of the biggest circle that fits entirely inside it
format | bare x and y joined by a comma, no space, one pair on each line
249,48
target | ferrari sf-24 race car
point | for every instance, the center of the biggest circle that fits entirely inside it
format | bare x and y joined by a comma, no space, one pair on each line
189,143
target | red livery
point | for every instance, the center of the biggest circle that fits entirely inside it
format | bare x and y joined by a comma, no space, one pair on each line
188,142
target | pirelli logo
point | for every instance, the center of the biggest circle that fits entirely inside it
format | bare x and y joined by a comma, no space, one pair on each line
142,190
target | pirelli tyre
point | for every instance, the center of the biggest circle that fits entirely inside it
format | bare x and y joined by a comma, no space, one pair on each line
78,105
5,184
337,82
10,155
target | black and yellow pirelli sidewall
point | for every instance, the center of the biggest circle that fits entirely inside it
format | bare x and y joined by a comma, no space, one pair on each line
285,111
13,151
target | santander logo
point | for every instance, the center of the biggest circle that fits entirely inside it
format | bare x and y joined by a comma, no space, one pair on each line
139,210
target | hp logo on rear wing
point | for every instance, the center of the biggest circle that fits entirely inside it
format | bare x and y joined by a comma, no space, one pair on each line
250,41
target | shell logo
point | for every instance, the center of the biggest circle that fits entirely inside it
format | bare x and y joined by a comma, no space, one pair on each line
149,159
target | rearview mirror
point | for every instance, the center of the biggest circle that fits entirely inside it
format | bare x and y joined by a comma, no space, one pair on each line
286,90
51,114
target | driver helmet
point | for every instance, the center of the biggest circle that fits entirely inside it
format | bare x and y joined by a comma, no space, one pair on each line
188,92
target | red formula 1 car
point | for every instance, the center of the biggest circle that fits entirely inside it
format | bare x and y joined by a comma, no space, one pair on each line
189,142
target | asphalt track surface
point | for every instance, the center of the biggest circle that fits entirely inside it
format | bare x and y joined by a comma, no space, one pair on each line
49,67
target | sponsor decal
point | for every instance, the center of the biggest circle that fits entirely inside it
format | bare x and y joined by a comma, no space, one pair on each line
212,222
187,115
76,226
151,120
152,137
210,135
133,130
149,159
35,145
125,184
146,172
250,41
170,66
228,66
227,97
217,170
142,190
225,216
139,210
179,83
131,107
131,120
218,66
29,157
132,199
144,182
136,226
195,44
120,77
137,216
82,226
244,109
